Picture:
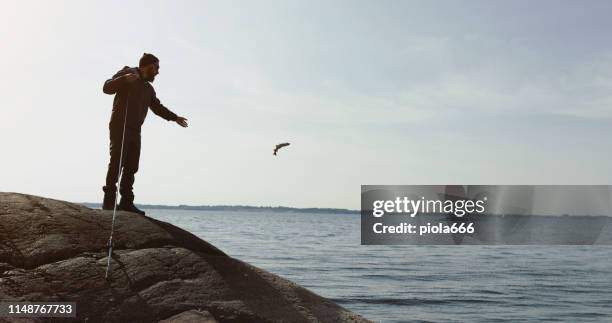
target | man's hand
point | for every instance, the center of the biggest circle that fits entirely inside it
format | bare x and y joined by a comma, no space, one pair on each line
181,121
131,77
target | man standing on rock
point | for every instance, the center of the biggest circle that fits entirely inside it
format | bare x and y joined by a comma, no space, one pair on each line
134,95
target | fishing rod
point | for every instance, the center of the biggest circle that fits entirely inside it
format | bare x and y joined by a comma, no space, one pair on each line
120,173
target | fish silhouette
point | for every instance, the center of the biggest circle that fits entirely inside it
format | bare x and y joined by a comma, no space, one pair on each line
279,146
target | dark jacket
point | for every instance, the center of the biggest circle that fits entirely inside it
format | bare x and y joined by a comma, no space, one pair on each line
139,96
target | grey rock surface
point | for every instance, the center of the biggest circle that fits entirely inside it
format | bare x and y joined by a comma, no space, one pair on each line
191,316
52,250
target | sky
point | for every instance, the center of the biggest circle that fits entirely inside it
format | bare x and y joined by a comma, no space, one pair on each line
366,92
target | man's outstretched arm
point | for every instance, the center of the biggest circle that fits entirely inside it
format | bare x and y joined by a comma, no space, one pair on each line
165,113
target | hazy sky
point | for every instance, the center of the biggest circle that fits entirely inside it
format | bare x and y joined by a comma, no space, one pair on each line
367,92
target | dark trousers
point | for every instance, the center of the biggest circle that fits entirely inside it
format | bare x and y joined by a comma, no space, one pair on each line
131,158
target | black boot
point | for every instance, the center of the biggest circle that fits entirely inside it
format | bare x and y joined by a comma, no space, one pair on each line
128,205
109,201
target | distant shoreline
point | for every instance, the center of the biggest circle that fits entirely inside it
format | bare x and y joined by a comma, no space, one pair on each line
244,208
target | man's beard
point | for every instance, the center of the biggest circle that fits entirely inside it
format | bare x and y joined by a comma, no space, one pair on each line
150,78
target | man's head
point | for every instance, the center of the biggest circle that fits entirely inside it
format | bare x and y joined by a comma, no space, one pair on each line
149,67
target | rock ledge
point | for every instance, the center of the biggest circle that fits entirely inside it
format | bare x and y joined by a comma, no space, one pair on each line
52,250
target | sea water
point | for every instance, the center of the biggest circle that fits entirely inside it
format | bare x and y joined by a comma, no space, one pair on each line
322,252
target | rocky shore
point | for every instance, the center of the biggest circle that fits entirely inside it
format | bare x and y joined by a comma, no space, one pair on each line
52,250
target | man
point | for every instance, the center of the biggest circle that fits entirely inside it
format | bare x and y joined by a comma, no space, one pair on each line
134,95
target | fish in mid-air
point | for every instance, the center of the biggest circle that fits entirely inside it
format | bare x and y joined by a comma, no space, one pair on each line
279,146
